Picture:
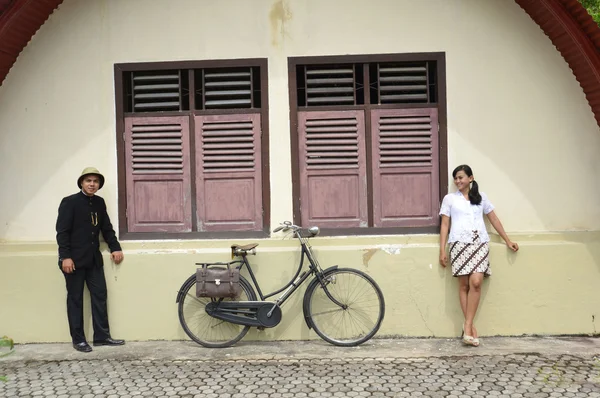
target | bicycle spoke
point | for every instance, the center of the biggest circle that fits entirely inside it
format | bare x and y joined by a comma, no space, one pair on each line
193,296
361,315
338,309
205,329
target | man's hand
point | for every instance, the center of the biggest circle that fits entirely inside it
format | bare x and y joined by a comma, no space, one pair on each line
68,266
117,257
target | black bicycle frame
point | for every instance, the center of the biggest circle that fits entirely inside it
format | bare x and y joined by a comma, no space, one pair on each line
297,280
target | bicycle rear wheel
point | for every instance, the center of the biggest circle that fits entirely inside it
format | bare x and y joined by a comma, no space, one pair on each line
203,328
362,312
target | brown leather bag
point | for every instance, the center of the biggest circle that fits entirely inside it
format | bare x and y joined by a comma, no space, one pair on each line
217,281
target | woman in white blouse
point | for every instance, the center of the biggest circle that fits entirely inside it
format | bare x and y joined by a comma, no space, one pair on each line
469,243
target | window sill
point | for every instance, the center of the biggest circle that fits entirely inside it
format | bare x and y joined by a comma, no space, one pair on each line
131,236
379,231
324,232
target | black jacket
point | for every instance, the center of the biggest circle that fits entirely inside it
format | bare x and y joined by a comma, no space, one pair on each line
80,220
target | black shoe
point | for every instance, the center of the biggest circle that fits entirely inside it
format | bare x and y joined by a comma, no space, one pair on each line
82,347
109,341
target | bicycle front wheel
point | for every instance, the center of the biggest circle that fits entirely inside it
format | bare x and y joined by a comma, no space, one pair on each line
360,314
203,328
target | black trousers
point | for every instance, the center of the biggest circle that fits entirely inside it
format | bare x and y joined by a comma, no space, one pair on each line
94,278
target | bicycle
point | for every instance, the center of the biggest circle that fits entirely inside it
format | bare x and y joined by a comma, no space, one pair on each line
344,306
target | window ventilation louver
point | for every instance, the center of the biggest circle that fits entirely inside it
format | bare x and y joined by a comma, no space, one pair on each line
405,141
330,86
157,149
228,89
402,84
228,146
332,143
158,91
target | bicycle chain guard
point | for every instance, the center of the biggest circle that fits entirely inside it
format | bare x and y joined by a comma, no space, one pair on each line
263,315
251,313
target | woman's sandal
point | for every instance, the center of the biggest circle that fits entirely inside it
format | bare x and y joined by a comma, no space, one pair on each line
475,339
469,340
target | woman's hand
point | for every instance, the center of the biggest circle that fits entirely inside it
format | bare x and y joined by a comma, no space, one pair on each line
495,221
444,228
443,259
512,246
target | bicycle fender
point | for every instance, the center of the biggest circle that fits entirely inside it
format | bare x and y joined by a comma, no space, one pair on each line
182,288
308,289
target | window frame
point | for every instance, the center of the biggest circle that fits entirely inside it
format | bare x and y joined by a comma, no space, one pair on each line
441,105
119,70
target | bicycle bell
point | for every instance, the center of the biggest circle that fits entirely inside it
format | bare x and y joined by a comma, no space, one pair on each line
314,231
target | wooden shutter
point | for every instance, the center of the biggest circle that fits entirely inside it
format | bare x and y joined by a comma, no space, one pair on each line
333,181
156,91
158,174
403,83
228,172
228,88
329,85
405,167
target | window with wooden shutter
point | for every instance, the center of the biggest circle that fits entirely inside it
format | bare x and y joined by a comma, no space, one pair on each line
228,172
369,142
405,167
158,174
212,182
333,188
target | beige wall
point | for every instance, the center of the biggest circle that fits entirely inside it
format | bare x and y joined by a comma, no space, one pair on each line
549,287
516,114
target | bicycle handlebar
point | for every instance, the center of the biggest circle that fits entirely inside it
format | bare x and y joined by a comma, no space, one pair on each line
286,226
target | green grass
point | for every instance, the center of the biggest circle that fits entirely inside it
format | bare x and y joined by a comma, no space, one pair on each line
10,344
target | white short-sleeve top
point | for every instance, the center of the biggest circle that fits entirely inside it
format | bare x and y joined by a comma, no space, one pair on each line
465,217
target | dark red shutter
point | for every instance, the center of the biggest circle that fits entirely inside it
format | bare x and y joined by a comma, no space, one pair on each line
158,174
333,180
228,173
405,167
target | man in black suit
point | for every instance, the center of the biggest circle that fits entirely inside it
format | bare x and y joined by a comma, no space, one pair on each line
81,218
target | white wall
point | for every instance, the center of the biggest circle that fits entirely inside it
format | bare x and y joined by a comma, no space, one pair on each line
516,114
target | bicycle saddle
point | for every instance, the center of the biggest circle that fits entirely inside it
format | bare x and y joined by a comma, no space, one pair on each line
247,247
237,249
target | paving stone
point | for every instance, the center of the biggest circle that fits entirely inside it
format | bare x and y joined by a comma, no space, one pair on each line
503,376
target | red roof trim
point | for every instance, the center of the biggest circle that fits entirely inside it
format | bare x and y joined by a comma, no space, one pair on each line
565,22
18,23
576,36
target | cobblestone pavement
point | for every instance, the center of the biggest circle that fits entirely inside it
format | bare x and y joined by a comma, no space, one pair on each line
235,375
501,367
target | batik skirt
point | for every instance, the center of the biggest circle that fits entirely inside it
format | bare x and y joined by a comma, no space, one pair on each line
467,258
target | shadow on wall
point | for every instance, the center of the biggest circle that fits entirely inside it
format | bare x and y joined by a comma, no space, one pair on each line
592,247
